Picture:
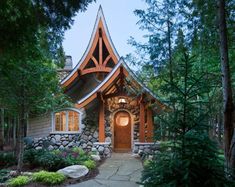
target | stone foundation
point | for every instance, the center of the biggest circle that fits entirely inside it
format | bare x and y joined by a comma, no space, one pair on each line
84,140
146,148
104,149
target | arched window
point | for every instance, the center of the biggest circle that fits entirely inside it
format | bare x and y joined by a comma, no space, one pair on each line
67,120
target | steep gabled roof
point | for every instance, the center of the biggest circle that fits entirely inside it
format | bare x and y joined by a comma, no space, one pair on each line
121,67
100,54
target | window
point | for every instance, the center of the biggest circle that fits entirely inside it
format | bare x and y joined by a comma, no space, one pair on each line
66,121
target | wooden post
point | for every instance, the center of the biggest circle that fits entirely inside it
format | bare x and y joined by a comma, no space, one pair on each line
101,121
100,47
142,122
150,127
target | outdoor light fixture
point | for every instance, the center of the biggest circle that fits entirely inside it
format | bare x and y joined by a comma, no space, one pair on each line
122,102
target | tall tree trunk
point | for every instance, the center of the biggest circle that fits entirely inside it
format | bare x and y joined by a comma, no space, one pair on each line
228,106
22,124
1,128
169,49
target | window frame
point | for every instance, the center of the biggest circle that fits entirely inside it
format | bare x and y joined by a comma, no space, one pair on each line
80,126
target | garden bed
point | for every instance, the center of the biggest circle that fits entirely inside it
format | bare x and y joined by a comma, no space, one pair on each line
38,160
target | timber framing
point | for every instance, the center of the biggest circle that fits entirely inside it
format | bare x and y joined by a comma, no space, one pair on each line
119,73
100,55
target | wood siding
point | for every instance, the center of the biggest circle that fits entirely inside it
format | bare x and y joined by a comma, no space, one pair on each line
39,126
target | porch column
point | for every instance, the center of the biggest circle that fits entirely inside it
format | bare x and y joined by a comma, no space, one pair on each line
150,127
101,122
142,122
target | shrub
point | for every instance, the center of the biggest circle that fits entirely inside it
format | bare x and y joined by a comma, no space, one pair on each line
74,156
19,181
43,158
50,161
78,150
48,178
7,159
4,175
90,164
30,156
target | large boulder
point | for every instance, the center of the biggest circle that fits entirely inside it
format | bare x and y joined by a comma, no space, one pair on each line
95,157
75,171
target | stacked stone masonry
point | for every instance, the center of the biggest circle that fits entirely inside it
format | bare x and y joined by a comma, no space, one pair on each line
146,148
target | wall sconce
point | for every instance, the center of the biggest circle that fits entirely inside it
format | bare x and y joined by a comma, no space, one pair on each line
122,101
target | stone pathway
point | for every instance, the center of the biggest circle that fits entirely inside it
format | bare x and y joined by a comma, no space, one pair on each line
121,170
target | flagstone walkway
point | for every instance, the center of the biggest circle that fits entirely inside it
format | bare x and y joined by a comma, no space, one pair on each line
121,170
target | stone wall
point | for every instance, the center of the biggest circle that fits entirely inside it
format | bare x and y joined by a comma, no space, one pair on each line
85,139
104,149
146,148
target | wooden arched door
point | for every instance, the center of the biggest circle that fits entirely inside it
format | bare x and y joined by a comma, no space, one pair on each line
122,131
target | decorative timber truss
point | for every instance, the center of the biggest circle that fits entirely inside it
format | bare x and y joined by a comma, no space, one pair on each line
100,56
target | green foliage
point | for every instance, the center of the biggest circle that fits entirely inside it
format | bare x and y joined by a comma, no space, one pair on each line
74,156
19,181
56,159
7,159
190,158
4,175
49,178
90,164
78,150
50,161
45,159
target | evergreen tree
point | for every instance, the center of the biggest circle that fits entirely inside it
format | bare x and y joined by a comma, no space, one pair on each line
191,158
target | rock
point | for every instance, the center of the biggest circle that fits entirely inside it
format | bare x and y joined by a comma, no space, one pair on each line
65,143
27,173
50,148
89,143
94,149
108,139
38,148
135,149
84,145
90,137
71,144
107,128
101,149
75,171
63,139
70,138
106,151
93,140
13,173
141,147
87,133
57,137
95,135
95,157
84,137
53,141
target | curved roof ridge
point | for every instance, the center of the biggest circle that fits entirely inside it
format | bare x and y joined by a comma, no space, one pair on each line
99,16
